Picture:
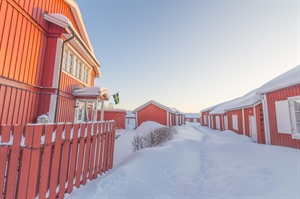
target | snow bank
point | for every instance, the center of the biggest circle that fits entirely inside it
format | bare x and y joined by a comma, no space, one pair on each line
146,127
200,163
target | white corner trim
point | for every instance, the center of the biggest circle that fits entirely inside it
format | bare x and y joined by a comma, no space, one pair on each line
53,99
168,119
56,72
136,119
266,119
78,17
243,118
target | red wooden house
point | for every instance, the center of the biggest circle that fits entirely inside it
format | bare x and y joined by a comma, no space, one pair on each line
46,54
206,118
154,111
281,106
245,116
192,117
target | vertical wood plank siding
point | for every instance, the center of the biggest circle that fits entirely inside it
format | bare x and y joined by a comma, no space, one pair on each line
27,53
152,113
276,137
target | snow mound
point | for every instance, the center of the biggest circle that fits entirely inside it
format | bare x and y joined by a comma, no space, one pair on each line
148,126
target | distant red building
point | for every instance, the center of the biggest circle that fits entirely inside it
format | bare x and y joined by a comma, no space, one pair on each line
154,111
118,115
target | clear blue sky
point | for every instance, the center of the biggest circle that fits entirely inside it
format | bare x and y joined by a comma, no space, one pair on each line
190,54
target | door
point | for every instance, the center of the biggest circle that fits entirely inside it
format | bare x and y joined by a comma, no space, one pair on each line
252,127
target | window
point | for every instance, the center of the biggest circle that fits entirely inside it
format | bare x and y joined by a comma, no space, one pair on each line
295,116
70,69
80,71
74,66
65,59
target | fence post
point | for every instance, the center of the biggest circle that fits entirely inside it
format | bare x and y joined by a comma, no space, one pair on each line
46,163
34,161
73,158
87,153
96,169
113,144
56,160
80,156
102,136
25,163
11,181
65,161
5,133
92,159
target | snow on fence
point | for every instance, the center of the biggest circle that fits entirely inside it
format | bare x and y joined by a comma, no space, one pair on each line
47,161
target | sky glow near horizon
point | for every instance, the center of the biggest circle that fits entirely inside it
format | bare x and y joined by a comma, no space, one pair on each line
190,54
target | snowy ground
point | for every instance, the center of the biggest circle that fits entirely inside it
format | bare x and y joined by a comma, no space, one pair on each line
198,163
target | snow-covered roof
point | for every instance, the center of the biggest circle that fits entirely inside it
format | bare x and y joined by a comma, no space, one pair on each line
156,104
192,115
289,78
209,108
92,91
178,111
246,100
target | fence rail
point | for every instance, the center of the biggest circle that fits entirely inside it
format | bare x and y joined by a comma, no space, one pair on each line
47,161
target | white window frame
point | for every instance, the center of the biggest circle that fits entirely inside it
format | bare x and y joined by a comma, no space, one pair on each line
79,69
295,132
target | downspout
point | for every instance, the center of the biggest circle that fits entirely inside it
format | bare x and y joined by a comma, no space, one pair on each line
60,71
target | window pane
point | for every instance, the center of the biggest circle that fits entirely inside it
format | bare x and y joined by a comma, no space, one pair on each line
297,116
76,67
297,105
80,71
298,128
65,59
71,63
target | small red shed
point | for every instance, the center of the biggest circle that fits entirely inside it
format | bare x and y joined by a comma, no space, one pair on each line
244,116
154,111
192,117
281,106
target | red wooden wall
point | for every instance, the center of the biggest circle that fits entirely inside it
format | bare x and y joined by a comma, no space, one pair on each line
240,121
279,138
152,113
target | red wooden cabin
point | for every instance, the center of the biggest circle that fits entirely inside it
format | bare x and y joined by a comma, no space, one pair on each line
281,105
154,111
206,118
246,117
45,54
192,117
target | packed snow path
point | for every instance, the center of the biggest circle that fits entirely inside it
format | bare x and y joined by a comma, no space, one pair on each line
199,163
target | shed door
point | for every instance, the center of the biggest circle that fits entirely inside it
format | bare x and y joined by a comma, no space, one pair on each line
252,126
